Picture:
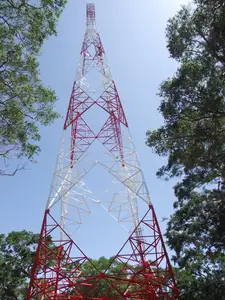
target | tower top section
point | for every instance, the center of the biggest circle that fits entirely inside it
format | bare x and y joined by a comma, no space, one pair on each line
90,16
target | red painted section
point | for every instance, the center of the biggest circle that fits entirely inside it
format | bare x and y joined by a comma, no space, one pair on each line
145,271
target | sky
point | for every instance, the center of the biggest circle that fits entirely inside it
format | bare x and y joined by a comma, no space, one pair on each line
133,36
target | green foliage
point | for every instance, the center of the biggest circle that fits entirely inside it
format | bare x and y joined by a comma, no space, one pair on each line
24,102
16,258
192,287
198,31
193,138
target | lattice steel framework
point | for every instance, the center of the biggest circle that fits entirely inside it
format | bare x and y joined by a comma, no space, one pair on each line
57,270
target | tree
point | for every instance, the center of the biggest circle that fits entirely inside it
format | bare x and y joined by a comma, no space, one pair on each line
193,138
24,102
17,251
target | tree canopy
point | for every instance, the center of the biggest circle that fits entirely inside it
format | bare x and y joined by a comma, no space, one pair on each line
193,139
17,251
25,103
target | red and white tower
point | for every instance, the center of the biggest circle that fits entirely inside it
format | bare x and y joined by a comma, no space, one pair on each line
57,272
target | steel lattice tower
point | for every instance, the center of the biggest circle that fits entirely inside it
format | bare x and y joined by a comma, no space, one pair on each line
146,272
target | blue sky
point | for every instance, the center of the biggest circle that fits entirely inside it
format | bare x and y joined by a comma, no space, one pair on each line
133,36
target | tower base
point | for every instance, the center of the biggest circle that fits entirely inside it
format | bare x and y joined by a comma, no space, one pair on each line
143,270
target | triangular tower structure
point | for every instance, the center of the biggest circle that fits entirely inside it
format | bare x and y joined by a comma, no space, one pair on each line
145,271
